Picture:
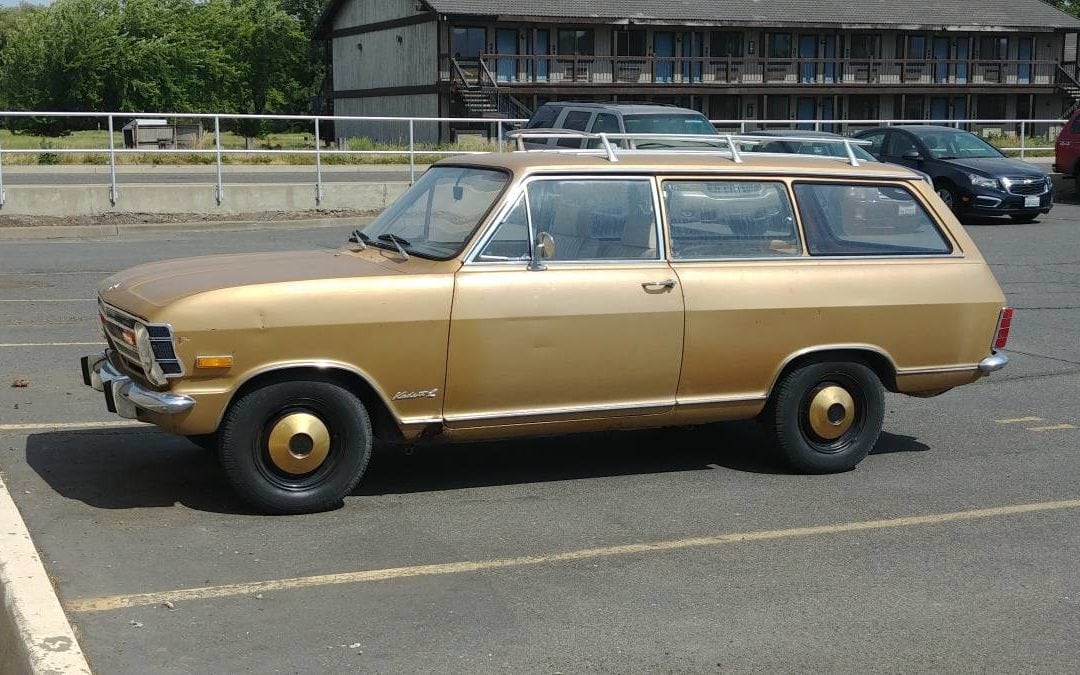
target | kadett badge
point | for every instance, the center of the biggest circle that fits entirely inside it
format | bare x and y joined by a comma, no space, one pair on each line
424,393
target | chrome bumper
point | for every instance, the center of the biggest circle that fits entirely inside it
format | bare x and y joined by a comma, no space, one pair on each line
993,363
124,396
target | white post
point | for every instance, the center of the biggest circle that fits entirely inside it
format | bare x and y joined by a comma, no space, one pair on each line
217,151
499,132
412,152
3,197
318,165
1023,138
113,194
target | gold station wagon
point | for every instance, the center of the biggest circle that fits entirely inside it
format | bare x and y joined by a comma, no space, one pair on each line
547,292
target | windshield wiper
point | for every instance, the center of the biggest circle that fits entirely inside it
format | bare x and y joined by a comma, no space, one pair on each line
359,238
399,242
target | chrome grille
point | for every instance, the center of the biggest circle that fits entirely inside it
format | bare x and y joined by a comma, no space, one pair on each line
1026,185
116,322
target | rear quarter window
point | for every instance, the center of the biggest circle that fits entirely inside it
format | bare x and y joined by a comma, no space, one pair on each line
860,219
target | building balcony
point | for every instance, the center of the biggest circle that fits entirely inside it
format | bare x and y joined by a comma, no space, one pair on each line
631,71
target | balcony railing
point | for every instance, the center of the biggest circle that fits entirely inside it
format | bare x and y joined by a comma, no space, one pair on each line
549,69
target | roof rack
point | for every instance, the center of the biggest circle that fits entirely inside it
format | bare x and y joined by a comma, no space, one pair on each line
728,144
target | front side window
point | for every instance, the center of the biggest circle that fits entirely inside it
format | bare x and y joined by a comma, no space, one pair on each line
587,219
438,214
717,219
856,219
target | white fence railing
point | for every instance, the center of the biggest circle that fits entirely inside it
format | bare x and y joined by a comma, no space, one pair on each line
411,149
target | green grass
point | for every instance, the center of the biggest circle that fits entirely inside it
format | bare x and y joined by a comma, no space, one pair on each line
99,141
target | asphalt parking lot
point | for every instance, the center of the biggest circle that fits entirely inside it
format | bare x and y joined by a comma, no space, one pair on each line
953,547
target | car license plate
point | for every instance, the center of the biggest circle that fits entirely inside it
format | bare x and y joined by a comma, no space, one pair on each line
1030,202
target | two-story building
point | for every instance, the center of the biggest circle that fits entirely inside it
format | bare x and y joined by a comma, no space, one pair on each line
738,60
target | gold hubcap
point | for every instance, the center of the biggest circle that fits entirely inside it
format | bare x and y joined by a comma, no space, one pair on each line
832,412
299,443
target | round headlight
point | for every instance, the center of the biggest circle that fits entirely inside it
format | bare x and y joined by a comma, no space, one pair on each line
146,356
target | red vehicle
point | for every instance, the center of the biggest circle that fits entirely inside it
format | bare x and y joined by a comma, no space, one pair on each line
1067,147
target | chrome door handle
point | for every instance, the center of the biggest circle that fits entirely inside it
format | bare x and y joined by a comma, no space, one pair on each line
666,283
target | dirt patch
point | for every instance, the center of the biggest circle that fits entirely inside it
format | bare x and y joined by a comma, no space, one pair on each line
107,219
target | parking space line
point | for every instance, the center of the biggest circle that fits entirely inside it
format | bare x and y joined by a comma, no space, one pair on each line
42,426
51,300
102,604
51,344
1052,427
1017,420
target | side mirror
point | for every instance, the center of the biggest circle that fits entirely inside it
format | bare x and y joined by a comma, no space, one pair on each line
911,154
543,249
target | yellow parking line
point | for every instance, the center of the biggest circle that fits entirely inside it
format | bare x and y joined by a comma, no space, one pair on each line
40,426
1016,420
141,599
1052,427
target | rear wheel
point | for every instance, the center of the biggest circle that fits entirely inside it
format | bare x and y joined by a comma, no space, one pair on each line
1024,217
828,416
296,447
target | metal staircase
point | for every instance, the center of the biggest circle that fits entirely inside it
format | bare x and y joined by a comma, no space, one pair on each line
1069,85
481,95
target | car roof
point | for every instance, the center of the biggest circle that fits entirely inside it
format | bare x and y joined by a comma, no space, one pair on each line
652,161
627,108
793,132
915,128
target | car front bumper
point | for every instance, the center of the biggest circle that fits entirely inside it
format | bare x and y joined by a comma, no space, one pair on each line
124,396
993,363
996,203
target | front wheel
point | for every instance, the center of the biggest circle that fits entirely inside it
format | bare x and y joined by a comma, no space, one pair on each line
947,196
296,447
828,416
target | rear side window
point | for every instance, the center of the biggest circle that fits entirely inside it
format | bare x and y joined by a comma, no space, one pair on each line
718,219
578,120
544,118
859,219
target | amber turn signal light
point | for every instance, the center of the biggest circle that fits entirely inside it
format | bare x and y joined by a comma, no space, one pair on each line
210,362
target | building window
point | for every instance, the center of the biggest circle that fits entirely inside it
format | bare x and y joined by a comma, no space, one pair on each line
914,105
863,107
990,106
993,48
467,42
865,46
576,42
778,108
778,46
630,43
916,47
726,43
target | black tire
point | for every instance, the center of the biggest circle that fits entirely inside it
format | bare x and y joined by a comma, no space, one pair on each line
948,195
246,455
208,442
1024,217
801,447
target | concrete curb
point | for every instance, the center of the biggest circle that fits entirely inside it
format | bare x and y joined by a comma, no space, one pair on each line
45,232
35,635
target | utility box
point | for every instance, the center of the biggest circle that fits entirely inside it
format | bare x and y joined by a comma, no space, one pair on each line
159,134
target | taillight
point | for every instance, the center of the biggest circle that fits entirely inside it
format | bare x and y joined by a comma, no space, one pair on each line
1003,325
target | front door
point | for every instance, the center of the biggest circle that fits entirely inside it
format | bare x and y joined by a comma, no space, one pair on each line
506,43
597,333
941,59
808,58
664,51
1025,52
806,112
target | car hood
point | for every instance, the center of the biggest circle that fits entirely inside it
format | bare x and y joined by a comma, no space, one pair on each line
995,166
144,289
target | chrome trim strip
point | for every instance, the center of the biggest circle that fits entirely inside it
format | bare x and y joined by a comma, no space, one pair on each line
814,258
562,410
994,363
713,400
937,369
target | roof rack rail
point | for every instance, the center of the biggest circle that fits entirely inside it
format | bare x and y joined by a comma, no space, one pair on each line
728,144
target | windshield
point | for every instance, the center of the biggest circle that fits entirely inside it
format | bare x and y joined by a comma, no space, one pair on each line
669,124
438,214
956,144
